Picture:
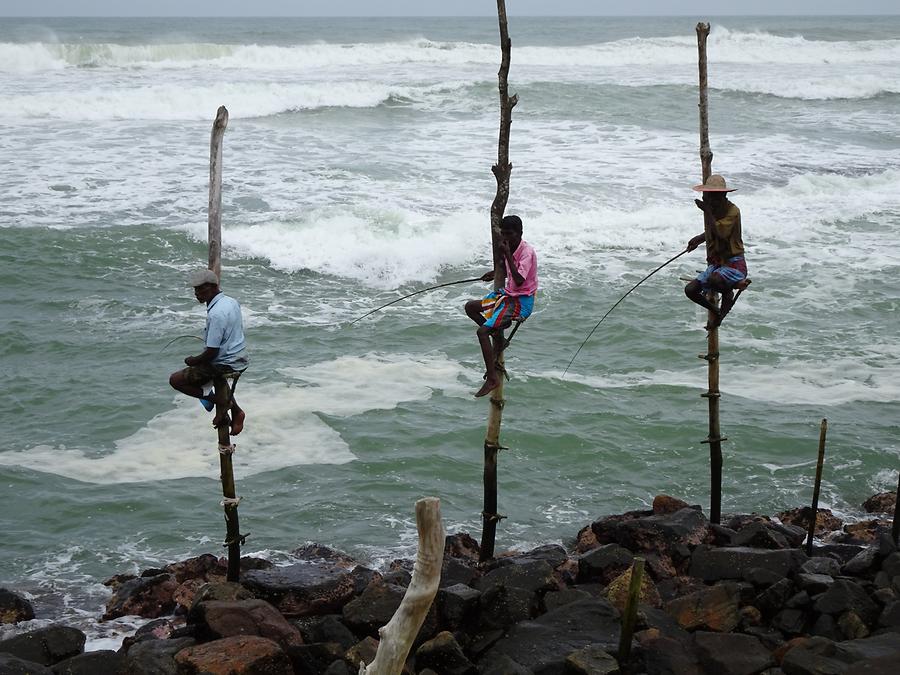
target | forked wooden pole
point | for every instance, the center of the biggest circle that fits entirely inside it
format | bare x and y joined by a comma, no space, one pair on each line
398,635
501,170
714,438
820,462
223,393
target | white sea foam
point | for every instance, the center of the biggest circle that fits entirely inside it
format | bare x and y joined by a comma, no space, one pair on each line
282,427
725,46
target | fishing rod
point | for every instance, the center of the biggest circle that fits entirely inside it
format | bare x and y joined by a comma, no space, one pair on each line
423,290
673,258
180,337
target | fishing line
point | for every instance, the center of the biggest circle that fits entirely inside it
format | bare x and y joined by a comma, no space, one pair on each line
423,290
180,337
617,304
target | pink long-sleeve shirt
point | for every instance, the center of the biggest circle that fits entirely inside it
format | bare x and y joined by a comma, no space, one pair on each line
525,261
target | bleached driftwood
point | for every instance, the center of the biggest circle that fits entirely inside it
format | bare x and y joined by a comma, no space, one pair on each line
398,635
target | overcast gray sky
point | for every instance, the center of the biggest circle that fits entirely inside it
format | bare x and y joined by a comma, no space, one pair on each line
437,7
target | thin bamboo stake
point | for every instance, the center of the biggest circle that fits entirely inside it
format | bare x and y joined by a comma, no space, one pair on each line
712,394
501,171
895,528
823,429
396,638
630,614
223,394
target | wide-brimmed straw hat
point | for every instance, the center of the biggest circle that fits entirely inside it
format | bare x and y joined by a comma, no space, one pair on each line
715,183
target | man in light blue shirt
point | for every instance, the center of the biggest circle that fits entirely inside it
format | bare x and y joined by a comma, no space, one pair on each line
225,349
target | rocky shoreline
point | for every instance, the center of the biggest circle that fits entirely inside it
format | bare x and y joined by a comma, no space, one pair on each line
736,599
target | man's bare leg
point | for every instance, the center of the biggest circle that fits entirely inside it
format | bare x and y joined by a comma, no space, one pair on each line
473,311
491,380
178,383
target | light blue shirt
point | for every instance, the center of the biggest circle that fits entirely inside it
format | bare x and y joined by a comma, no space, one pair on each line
225,330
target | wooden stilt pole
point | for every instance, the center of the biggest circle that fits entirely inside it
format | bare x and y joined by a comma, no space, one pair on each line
823,429
712,394
501,170
223,394
895,528
630,614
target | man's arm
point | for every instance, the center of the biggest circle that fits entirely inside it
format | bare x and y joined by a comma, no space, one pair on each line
694,242
511,264
206,357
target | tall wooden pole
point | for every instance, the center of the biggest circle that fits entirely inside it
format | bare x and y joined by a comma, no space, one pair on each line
712,394
501,170
820,462
230,500
895,528
629,615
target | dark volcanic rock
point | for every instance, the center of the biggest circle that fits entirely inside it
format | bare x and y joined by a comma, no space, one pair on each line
461,545
760,535
664,655
314,658
14,608
727,654
303,589
502,606
148,597
863,562
105,661
155,657
654,534
45,646
324,554
605,563
533,576
375,607
774,597
821,565
327,628
877,646
457,605
543,645
443,655
713,564
843,596
814,583
890,617
13,665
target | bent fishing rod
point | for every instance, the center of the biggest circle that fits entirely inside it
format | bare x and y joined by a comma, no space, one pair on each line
672,259
409,295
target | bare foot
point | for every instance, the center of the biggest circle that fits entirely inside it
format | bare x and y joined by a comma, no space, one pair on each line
220,420
488,386
237,425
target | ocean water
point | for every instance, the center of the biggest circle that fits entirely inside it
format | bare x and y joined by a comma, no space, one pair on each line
356,168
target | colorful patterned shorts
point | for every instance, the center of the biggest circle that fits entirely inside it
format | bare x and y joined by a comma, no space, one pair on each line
500,309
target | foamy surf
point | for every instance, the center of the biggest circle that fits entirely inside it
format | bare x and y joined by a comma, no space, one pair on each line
282,428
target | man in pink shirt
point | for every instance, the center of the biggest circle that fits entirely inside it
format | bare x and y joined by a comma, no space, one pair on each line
497,309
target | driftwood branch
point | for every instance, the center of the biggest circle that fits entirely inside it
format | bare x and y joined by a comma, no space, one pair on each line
501,170
398,635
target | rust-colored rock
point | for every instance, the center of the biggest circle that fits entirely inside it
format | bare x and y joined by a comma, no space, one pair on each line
883,502
461,545
663,504
148,597
221,619
243,655
14,608
863,532
826,521
783,649
617,591
715,608
362,652
586,540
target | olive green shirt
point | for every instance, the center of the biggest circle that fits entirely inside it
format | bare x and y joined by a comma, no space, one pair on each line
725,241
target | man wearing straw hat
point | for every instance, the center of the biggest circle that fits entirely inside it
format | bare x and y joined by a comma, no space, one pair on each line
726,267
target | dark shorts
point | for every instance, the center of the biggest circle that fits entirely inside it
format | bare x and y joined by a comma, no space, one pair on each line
197,376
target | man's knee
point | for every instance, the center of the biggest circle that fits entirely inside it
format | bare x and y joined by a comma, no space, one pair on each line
175,380
692,290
